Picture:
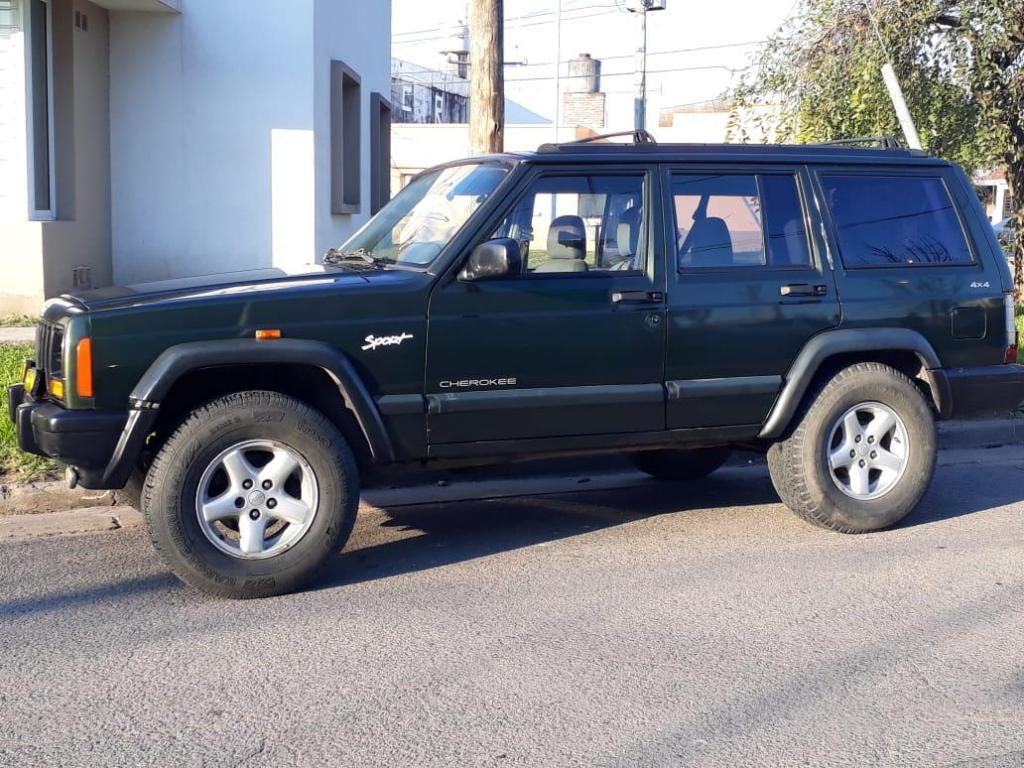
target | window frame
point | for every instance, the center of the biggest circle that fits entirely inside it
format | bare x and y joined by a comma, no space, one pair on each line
34,213
346,127
644,172
940,173
805,199
381,113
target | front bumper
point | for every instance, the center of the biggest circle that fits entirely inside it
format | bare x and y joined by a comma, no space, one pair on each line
985,391
84,439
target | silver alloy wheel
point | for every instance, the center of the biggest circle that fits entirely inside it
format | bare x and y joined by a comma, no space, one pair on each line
256,499
867,451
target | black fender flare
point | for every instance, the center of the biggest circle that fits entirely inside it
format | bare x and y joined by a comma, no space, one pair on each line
846,340
180,359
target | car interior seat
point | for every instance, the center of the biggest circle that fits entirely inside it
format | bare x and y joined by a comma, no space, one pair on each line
708,244
567,246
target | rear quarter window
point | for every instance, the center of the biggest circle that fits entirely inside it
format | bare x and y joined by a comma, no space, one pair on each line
895,221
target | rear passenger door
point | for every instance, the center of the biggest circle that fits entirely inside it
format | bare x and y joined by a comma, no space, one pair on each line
748,285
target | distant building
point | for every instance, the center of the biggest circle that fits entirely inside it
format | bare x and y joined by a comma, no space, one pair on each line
441,97
995,194
709,122
424,95
151,139
583,102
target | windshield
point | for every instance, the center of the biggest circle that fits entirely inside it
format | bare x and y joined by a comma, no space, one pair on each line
421,220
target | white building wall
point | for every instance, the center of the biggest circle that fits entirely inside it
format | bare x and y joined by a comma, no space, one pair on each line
220,132
195,101
20,239
359,34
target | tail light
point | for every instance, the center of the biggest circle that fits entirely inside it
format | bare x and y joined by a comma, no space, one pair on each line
1012,347
83,371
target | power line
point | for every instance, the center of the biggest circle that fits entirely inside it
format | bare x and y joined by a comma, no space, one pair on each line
526,16
526,22
652,53
706,67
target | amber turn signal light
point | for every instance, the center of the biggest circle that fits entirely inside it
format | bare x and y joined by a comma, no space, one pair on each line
83,372
265,334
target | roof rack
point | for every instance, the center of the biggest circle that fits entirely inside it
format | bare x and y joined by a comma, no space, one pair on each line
882,142
640,136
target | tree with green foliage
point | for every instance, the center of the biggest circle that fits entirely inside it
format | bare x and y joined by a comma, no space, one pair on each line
960,64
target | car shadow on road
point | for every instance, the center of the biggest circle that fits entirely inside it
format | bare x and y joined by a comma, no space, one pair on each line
417,537
422,536
101,593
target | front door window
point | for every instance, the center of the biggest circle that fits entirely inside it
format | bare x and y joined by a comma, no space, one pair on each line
579,224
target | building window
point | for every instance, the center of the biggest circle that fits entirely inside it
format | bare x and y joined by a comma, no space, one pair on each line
408,98
380,152
346,115
39,55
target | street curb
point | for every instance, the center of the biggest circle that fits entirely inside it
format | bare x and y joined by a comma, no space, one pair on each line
17,335
50,509
40,497
70,523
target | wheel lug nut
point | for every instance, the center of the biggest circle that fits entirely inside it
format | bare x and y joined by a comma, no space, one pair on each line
271,503
874,455
871,439
862,462
852,454
239,502
267,485
856,439
254,514
247,484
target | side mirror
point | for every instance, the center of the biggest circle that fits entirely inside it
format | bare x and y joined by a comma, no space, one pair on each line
495,258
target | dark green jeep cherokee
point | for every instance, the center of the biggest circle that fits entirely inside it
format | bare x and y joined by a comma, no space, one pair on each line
823,304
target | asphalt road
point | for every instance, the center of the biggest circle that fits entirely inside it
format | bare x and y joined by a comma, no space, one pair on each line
644,624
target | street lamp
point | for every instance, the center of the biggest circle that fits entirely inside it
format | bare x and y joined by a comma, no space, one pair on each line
640,102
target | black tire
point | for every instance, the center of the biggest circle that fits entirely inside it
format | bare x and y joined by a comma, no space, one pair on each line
800,469
170,503
681,466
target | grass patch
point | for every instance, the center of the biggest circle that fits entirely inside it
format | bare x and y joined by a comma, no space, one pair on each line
17,321
12,461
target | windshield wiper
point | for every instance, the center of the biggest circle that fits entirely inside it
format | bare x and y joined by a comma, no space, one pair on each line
360,256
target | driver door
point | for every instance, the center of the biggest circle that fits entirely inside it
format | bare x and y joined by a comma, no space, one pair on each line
573,344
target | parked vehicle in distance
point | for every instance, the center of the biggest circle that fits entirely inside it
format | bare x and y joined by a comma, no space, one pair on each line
824,304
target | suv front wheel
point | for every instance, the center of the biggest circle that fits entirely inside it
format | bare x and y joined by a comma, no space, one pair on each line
251,495
862,452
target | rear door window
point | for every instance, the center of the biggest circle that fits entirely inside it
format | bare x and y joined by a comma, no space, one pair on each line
885,221
738,220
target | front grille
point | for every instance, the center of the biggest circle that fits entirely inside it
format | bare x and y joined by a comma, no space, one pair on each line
50,348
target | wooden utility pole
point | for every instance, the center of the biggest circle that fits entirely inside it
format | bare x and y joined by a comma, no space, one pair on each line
486,76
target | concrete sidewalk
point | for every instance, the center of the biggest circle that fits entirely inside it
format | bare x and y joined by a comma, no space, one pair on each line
17,335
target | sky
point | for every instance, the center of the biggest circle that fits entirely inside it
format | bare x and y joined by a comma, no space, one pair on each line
702,45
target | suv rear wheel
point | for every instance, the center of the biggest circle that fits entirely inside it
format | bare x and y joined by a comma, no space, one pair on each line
862,453
251,495
681,465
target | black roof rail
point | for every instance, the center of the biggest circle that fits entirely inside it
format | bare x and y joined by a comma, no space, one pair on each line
640,136
882,142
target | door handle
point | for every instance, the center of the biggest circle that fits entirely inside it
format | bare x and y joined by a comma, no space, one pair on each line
637,297
803,289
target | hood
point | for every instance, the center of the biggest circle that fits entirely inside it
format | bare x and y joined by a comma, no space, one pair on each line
224,284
